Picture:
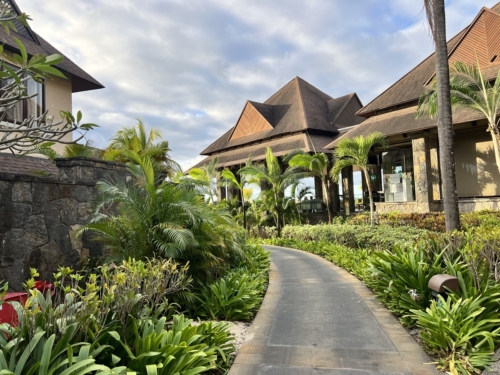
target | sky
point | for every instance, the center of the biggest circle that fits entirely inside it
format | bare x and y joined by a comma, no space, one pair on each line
187,67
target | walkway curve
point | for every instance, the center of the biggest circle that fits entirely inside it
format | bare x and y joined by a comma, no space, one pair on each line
318,319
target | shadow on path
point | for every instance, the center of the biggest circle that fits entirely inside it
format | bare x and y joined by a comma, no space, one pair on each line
318,319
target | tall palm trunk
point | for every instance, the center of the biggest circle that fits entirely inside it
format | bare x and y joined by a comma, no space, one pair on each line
370,195
327,199
495,137
436,15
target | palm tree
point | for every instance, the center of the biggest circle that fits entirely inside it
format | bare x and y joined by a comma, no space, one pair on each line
229,177
354,152
435,10
206,176
271,173
469,89
145,145
299,192
145,218
317,165
70,151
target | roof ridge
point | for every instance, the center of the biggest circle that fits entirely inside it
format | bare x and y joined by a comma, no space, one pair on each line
343,107
303,109
282,88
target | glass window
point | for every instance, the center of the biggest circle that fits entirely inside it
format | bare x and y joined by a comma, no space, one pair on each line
397,170
32,107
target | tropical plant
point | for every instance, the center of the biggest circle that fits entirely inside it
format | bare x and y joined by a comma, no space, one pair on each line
354,152
236,296
227,176
73,150
457,331
469,89
316,165
148,217
300,192
206,176
271,173
148,146
435,10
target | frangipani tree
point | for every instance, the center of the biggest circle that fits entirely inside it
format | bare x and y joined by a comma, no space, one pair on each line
19,135
469,89
354,152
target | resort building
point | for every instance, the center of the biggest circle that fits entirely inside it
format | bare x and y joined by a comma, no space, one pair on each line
407,176
298,116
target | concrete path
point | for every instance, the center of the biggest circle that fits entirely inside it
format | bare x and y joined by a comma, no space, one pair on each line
318,319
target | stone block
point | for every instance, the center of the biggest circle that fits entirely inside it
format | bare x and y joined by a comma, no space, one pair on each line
68,210
84,213
20,214
40,197
35,232
21,192
83,193
12,247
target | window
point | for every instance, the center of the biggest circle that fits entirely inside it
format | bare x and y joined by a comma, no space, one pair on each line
398,178
31,107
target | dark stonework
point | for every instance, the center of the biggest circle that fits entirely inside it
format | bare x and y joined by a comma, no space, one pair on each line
40,218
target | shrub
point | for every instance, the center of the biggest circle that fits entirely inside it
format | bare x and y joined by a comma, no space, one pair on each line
457,331
355,236
236,296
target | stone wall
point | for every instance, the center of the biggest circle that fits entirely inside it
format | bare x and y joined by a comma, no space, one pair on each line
478,204
39,217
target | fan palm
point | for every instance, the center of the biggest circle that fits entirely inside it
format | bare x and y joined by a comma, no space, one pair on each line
316,165
469,89
435,10
270,172
145,145
354,152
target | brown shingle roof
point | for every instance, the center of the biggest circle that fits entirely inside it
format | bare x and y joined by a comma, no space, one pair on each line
280,147
403,121
81,80
411,86
296,107
26,165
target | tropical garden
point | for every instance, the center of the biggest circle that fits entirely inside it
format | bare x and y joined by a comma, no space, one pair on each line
175,253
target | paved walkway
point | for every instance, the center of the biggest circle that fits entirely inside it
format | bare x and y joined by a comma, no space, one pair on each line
318,319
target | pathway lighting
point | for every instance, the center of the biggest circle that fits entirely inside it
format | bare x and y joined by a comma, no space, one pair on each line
441,284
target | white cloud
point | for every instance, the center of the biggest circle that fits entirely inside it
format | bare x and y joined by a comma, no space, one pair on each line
187,67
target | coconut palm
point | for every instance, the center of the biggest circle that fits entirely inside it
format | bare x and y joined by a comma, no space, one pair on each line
435,10
270,172
145,145
354,152
469,89
316,165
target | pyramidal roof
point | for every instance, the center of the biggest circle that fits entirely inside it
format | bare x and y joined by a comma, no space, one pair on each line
296,107
478,42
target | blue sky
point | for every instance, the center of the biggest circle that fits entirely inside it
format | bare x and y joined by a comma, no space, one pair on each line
188,66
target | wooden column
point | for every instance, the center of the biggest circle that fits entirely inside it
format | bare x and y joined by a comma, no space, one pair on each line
318,188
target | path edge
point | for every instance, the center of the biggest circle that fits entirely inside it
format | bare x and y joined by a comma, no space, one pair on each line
247,360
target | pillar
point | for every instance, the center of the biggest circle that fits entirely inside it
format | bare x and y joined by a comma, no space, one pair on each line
318,188
422,170
348,188
221,189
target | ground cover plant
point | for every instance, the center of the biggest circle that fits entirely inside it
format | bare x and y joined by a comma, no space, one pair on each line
119,319
461,330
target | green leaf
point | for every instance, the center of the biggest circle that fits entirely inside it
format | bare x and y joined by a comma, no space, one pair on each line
22,49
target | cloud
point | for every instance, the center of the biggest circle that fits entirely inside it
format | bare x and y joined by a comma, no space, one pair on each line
187,67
